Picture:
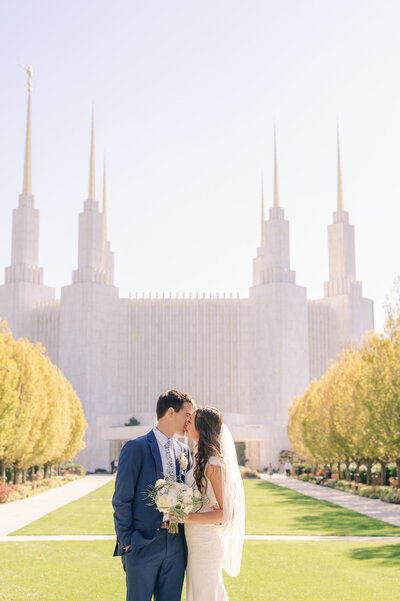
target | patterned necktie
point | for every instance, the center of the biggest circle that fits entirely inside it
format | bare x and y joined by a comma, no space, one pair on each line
170,465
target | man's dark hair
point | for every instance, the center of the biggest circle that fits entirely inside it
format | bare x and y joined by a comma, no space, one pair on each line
174,399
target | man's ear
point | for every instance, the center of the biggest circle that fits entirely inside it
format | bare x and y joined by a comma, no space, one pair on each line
171,411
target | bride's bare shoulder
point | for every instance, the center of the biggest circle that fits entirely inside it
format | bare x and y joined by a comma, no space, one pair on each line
213,468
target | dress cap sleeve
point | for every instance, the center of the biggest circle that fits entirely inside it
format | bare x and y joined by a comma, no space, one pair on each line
214,460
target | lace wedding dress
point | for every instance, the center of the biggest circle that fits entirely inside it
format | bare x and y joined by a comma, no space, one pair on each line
205,551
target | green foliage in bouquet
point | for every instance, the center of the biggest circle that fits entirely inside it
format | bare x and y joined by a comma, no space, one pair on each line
175,499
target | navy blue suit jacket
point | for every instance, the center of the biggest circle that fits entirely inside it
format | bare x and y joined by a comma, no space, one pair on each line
136,522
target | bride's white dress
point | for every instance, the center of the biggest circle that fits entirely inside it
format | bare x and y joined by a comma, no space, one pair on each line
205,552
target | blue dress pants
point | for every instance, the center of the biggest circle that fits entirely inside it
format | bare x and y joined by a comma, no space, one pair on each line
156,569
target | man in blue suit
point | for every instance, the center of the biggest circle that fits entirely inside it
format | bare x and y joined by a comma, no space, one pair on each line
154,560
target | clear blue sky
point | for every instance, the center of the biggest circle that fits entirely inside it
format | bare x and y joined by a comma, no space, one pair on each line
185,95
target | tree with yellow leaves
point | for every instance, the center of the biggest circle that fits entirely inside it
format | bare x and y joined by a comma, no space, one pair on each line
8,394
41,417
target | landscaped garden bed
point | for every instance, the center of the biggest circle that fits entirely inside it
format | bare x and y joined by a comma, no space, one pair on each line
14,492
389,494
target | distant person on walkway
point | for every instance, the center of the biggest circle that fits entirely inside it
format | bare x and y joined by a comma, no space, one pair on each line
112,466
270,470
288,468
115,465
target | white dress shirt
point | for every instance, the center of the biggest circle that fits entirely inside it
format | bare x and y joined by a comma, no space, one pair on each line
162,441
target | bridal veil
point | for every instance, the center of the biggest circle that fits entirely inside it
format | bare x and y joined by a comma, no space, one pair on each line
233,524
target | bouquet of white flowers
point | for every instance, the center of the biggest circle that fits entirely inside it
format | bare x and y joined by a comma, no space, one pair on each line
175,499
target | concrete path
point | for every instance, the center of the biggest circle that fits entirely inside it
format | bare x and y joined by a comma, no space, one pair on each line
17,514
373,508
272,537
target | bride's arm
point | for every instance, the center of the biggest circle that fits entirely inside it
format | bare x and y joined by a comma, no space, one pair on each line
213,473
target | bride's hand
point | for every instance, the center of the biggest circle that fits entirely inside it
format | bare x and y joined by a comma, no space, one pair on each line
178,519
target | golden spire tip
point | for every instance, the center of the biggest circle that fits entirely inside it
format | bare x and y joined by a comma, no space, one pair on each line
27,185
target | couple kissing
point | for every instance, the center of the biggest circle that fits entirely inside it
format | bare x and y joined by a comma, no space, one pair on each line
209,537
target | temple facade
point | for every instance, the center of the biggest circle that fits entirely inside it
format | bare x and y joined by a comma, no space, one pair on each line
247,356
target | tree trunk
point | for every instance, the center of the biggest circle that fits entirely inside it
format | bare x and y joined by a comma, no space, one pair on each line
15,474
338,469
369,466
348,475
23,476
3,471
398,470
46,470
383,473
357,473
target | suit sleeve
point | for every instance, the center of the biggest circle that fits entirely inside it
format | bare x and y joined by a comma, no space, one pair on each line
129,465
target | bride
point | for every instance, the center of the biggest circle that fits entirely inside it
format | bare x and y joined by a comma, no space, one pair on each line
215,533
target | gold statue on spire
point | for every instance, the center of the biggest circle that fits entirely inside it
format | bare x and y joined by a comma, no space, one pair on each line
27,186
29,71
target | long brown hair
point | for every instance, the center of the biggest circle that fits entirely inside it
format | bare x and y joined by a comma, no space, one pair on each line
208,422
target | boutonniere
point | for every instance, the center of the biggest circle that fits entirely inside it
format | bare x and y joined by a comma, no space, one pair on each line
183,462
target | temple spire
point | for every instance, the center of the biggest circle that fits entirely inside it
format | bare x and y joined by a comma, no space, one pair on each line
276,190
262,212
104,204
27,186
339,177
92,194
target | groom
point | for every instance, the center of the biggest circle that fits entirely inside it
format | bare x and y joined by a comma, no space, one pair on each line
154,560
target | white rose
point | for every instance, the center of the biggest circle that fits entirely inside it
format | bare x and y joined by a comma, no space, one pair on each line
181,486
160,483
188,508
197,494
172,499
187,497
162,501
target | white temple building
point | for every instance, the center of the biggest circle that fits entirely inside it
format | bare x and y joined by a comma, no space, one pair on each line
247,356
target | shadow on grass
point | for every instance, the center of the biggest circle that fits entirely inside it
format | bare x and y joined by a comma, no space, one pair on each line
388,555
318,515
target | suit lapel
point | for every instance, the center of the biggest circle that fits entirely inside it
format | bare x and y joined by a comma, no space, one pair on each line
155,451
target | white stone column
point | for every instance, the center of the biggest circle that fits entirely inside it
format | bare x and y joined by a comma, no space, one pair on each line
278,337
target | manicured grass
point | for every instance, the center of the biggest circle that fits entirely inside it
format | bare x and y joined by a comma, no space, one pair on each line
91,514
271,571
270,509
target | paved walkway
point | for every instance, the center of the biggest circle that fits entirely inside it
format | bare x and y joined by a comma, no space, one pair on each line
17,514
373,508
20,513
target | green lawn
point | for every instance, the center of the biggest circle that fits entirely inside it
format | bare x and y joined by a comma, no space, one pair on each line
271,571
270,509
91,514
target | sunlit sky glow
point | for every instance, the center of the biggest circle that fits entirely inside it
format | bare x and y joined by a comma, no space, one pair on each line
186,95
